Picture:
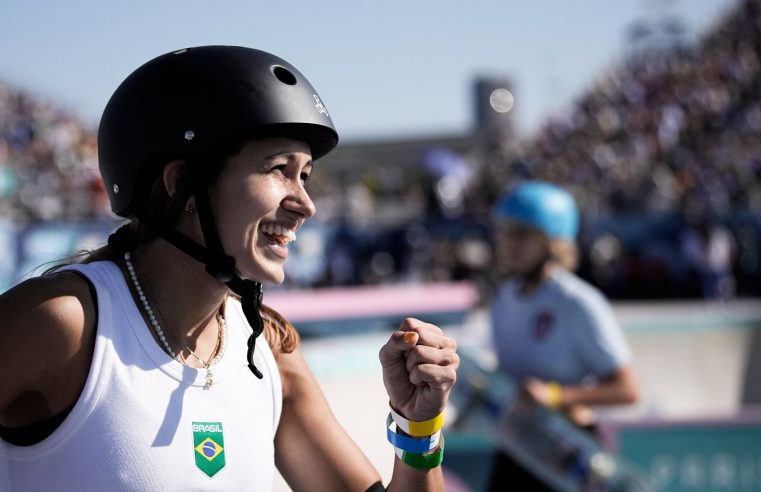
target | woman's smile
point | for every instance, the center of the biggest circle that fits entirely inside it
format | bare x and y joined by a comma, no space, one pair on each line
276,238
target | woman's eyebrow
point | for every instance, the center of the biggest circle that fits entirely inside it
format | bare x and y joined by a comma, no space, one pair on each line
285,154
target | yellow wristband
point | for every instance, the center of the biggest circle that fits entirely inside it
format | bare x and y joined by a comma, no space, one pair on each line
419,429
555,391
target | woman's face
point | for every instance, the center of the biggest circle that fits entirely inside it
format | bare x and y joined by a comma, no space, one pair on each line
259,202
520,247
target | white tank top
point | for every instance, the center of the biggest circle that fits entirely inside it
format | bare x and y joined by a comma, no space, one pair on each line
145,422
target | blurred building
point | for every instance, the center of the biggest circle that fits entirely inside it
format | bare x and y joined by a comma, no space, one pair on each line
408,179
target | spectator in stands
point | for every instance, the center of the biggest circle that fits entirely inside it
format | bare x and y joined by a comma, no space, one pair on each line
708,248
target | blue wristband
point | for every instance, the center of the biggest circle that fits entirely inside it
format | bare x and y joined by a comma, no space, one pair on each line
417,445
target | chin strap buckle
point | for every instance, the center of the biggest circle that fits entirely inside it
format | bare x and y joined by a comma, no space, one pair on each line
222,269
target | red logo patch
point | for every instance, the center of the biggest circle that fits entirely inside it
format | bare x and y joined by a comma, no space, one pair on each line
543,324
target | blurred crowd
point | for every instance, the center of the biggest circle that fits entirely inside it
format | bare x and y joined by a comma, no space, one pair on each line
663,154
48,162
676,129
674,135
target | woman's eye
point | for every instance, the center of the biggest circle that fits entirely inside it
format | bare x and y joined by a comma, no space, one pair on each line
283,170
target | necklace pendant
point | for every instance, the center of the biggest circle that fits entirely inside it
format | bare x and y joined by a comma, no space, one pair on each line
209,379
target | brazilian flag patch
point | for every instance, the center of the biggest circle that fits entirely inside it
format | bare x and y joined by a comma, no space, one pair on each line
209,446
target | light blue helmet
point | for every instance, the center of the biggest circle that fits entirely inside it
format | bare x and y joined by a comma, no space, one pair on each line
544,206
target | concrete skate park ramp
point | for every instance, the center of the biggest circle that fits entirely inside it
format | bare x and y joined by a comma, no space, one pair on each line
698,426
696,362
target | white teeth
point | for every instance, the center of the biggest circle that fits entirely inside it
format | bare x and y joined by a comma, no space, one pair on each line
279,230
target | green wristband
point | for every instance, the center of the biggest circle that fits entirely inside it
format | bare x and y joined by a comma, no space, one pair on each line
423,461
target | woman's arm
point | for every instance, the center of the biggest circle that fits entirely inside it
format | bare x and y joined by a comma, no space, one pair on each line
312,450
46,344
618,388
419,370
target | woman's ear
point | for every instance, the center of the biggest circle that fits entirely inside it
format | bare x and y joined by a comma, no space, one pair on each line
172,171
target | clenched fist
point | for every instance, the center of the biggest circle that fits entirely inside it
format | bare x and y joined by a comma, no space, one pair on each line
419,369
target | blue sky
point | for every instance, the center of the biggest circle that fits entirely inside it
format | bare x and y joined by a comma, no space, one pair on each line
384,69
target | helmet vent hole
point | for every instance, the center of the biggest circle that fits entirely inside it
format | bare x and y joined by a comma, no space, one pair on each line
284,75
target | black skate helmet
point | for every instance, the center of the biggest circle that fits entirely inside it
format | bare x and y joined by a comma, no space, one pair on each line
198,103
201,105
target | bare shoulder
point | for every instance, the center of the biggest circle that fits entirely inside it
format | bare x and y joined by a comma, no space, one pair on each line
47,310
47,336
296,376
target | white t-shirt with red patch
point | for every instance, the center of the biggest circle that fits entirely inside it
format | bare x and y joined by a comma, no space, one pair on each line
565,331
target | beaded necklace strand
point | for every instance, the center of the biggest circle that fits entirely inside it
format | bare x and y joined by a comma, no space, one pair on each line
219,349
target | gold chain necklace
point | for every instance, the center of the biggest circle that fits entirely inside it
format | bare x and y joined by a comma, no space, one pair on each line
219,348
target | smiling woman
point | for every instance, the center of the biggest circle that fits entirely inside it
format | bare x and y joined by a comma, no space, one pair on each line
206,152
274,198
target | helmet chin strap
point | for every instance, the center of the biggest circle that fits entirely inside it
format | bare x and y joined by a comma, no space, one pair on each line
222,267
218,264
